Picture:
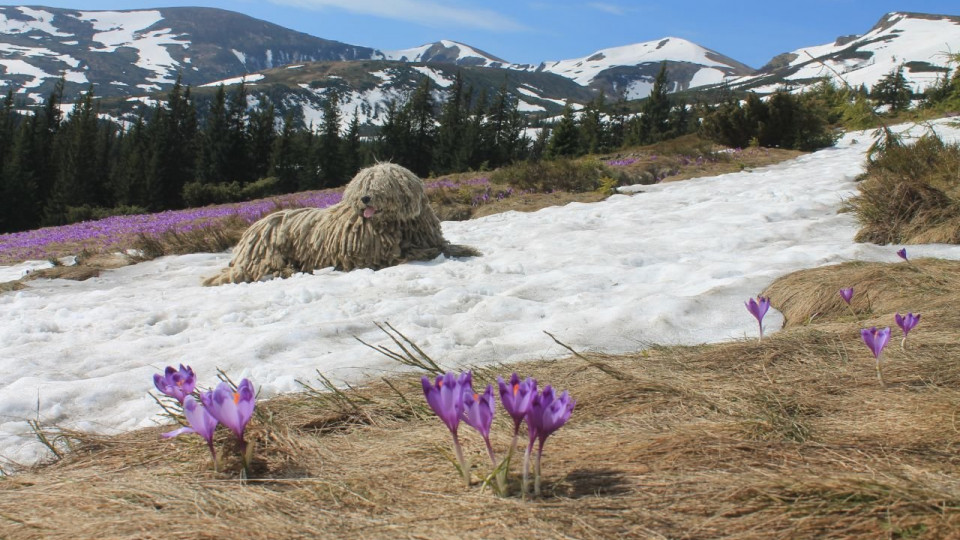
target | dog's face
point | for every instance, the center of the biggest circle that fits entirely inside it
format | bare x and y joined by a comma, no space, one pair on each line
385,192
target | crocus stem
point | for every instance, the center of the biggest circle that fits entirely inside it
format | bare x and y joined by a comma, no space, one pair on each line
501,478
526,470
536,477
463,463
761,332
245,458
880,374
213,453
903,343
852,312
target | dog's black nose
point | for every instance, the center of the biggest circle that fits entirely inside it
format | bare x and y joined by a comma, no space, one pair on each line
365,199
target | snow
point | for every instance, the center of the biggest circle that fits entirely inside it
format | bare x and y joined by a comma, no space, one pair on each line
438,78
246,79
129,29
584,70
40,21
671,264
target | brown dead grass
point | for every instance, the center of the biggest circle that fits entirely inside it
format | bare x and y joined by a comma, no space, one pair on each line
788,438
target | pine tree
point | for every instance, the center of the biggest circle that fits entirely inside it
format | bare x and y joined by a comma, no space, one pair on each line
77,183
19,197
504,129
423,130
328,149
214,155
565,141
893,90
450,155
262,134
593,135
237,167
351,152
286,158
655,118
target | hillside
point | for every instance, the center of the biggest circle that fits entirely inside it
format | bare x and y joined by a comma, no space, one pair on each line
134,52
921,43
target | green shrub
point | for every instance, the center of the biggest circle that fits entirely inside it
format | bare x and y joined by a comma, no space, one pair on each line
576,176
198,194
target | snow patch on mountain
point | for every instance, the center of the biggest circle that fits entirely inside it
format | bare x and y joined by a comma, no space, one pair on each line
39,20
585,70
918,42
446,51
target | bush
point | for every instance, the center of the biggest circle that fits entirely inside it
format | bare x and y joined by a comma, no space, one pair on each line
197,194
910,193
576,176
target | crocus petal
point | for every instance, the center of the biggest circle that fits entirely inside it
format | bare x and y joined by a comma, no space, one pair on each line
517,396
174,433
445,397
202,422
232,408
758,307
846,294
478,411
875,339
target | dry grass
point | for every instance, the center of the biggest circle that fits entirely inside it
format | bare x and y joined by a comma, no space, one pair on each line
788,438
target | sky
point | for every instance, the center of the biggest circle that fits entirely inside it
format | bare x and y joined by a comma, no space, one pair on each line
533,31
672,263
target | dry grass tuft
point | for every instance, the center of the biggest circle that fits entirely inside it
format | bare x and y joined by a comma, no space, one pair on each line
788,438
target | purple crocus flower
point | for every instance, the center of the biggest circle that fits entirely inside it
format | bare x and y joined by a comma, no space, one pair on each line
517,397
176,383
902,253
233,408
478,410
201,422
906,323
847,294
445,397
758,308
876,340
547,414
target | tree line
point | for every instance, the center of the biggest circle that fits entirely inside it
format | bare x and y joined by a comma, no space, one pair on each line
185,152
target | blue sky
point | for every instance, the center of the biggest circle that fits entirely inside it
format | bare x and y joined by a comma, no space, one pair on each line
531,31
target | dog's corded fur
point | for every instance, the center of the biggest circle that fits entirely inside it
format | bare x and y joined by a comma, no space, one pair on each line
383,219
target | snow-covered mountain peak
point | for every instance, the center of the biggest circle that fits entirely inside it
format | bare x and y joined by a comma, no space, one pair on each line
447,51
919,42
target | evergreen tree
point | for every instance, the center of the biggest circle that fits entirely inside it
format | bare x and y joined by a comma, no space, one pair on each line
450,155
893,90
328,149
19,197
423,130
214,146
351,153
286,158
262,136
593,135
655,113
565,141
504,129
237,167
77,183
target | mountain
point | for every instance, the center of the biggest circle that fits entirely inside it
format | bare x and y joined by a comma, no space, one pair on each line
447,52
367,87
919,42
132,52
629,71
